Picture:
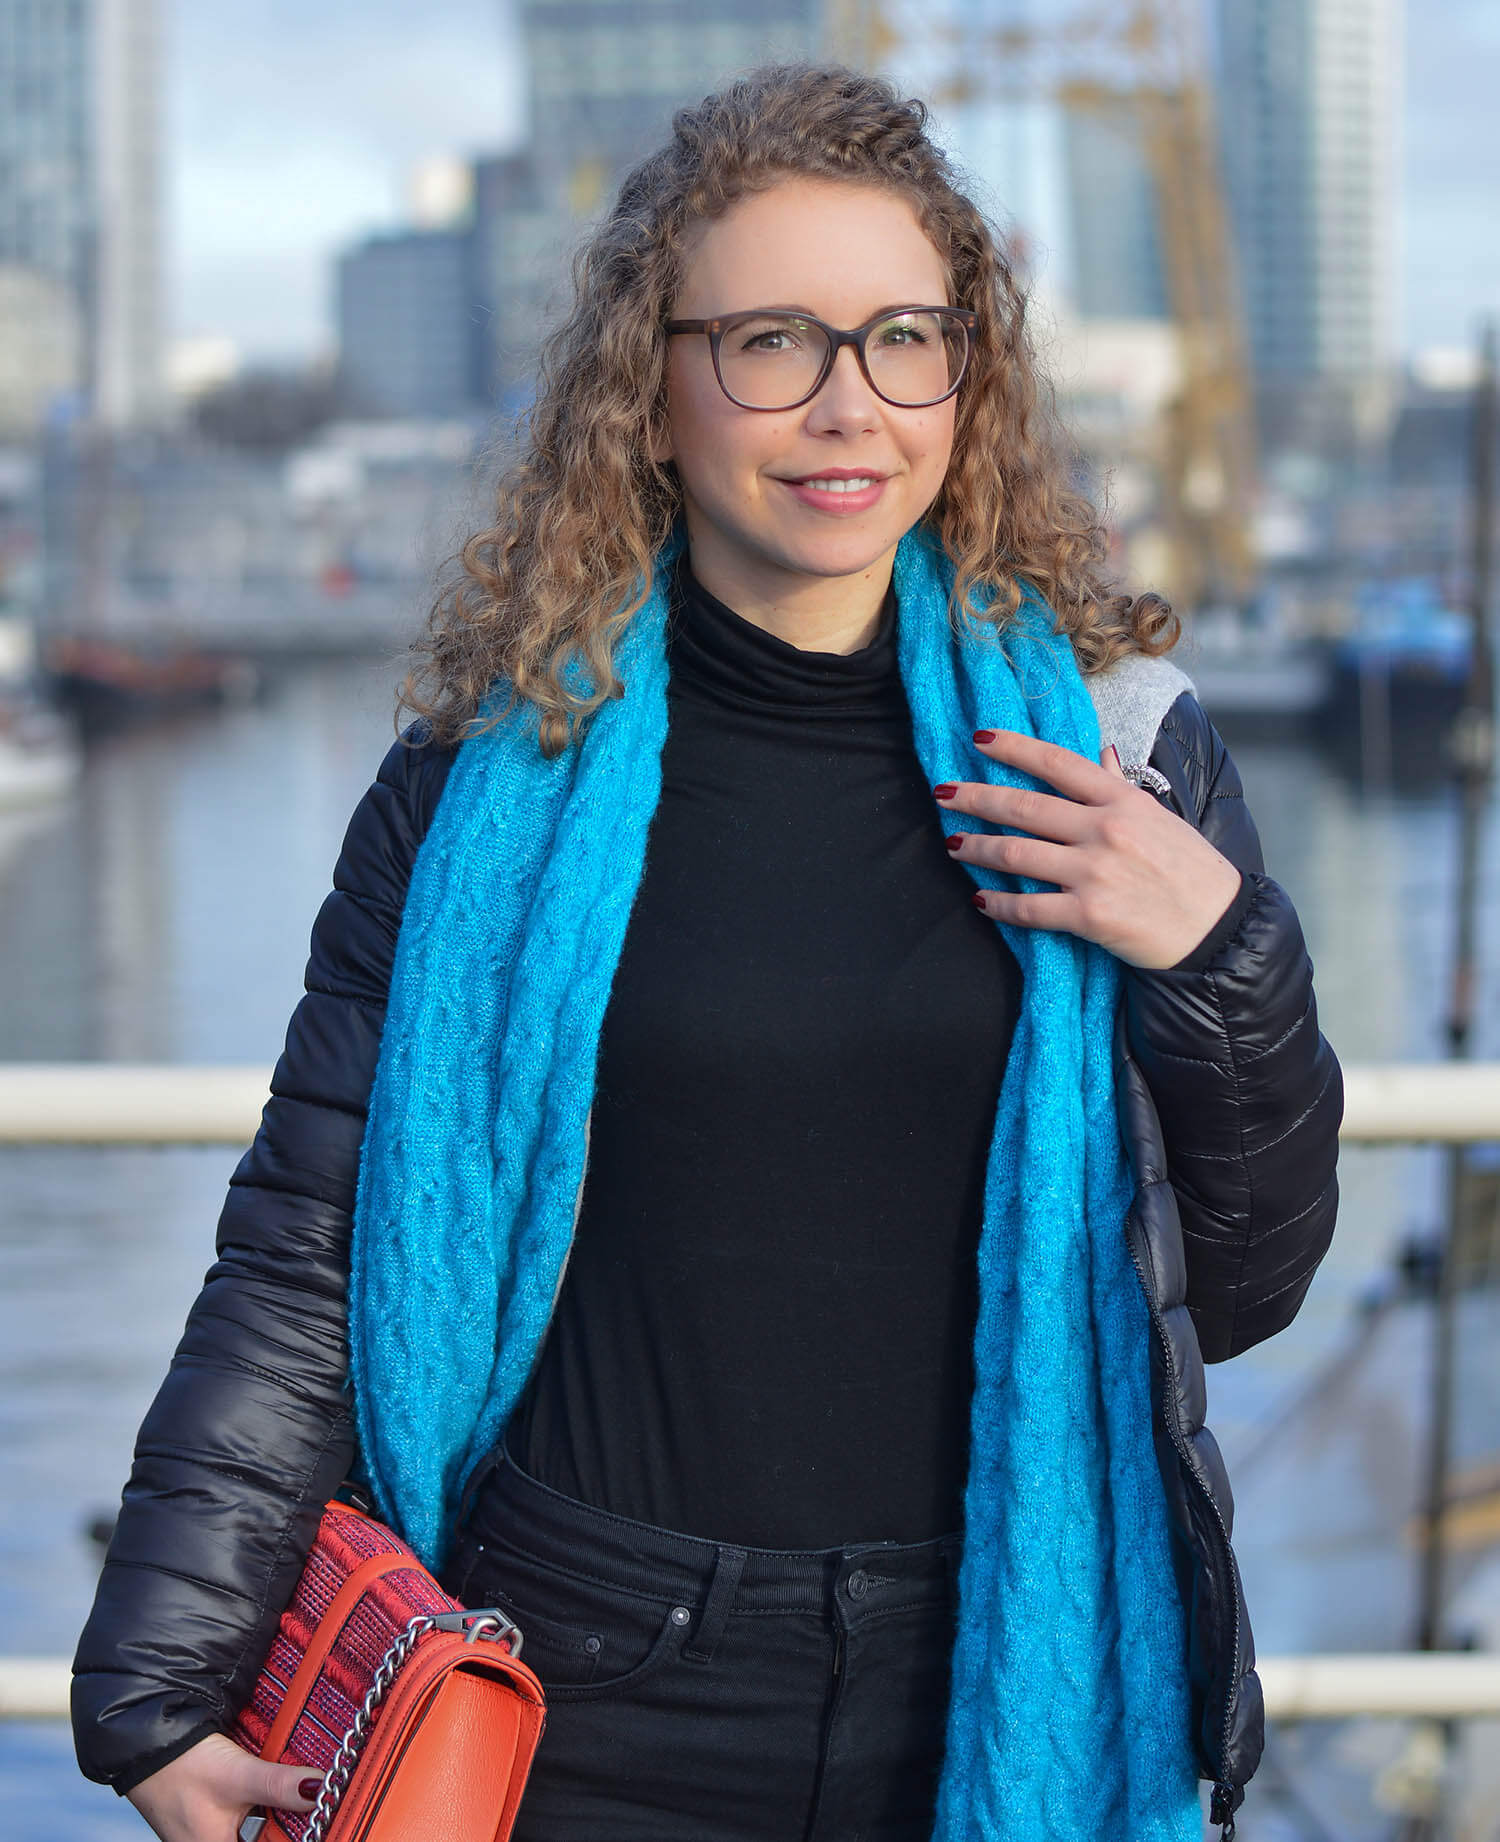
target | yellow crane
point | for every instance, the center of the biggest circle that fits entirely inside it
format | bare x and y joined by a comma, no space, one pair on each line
1147,57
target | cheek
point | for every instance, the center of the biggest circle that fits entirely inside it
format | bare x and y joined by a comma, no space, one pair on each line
929,446
718,448
701,426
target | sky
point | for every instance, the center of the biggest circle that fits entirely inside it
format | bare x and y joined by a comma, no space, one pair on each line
293,127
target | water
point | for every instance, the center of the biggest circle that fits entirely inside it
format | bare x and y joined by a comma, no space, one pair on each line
163,915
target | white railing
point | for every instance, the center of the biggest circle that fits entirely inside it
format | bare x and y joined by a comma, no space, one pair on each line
121,1103
1402,1685
34,1688
129,1103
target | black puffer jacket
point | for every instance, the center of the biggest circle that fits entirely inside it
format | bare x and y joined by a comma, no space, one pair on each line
1231,1102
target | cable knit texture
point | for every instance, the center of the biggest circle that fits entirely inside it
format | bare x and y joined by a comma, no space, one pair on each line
1070,1709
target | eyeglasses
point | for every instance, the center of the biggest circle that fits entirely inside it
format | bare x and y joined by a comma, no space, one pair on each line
766,358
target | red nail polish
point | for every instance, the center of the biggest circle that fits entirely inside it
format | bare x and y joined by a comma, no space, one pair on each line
984,735
978,900
946,790
956,842
309,1788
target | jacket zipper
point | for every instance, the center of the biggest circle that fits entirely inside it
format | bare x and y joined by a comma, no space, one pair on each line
1221,1810
1221,1805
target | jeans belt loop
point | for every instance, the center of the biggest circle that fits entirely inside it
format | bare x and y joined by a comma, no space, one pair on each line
722,1589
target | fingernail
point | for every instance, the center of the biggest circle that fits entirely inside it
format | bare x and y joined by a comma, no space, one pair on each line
978,899
1115,752
984,735
955,843
946,790
309,1788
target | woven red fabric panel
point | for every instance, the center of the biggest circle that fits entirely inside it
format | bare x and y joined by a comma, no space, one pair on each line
344,1540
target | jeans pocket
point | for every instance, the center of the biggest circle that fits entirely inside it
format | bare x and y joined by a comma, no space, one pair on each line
584,1638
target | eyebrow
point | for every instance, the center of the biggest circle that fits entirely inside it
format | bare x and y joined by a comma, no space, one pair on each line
783,307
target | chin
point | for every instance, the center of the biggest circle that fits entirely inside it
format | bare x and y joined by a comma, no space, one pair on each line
855,553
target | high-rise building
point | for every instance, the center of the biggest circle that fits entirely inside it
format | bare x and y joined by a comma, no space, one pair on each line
1115,244
519,272
604,79
80,238
1310,106
409,332
603,82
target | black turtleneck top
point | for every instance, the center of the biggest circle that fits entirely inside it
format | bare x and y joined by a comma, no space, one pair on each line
764,1332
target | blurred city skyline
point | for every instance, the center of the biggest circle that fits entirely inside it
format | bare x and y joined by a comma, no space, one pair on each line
292,132
270,233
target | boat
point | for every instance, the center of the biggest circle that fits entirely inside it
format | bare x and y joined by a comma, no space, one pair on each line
40,759
109,682
1399,678
1407,636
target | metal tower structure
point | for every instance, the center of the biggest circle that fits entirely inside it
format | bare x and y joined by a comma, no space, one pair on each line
1146,56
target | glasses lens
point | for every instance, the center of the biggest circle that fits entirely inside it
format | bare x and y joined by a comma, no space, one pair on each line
770,360
917,357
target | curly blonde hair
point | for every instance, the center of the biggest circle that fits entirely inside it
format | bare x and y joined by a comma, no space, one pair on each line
557,575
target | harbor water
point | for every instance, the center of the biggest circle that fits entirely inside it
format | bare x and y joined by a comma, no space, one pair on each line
161,914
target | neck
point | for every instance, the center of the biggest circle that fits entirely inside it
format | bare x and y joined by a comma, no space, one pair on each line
813,613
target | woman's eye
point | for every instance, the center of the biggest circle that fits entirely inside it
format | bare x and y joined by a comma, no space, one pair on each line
773,339
902,333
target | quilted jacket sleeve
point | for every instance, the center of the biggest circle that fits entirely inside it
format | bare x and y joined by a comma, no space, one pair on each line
1248,1092
251,1431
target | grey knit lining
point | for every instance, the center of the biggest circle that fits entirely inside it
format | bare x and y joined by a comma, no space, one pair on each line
1131,699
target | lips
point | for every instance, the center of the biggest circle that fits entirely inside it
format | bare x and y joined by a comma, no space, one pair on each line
840,492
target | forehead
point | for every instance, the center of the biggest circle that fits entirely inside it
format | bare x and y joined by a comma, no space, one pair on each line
839,250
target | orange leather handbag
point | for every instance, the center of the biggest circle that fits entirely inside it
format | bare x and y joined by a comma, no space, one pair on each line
418,1713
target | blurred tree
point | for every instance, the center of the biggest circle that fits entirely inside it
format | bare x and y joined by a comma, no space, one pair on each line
268,410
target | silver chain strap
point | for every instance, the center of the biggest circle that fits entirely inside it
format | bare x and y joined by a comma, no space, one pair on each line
474,1625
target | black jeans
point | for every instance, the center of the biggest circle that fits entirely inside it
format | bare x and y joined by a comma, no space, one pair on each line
703,1693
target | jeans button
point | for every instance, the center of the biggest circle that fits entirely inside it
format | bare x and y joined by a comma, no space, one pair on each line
859,1583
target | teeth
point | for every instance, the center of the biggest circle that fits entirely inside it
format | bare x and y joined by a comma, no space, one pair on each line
839,485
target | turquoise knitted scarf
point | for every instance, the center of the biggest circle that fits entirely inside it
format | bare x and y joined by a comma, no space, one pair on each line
1070,1714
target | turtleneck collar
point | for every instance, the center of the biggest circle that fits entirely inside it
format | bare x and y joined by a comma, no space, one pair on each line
734,661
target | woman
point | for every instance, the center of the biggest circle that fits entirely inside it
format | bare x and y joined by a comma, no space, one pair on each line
838,1441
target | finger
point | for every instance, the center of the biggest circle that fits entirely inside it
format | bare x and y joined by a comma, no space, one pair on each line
278,1787
1074,775
1043,863
1109,760
297,1788
1044,815
1059,913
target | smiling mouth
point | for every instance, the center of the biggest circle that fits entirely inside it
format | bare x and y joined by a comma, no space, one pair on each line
862,483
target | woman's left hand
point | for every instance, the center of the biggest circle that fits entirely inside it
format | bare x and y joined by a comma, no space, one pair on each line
1130,875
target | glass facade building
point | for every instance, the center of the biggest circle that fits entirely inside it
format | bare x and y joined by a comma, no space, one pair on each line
1310,111
409,325
603,80
79,209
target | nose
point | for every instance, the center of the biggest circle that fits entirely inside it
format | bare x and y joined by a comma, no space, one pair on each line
846,398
